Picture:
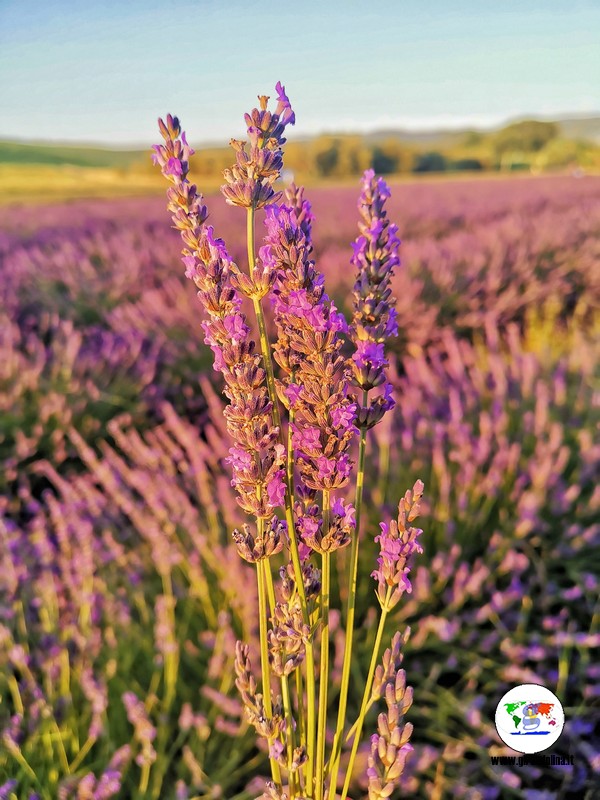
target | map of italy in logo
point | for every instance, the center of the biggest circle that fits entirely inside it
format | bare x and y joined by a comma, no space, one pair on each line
529,718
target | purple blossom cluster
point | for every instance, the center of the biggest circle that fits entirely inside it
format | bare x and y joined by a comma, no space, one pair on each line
256,458
145,732
259,161
397,542
314,373
390,746
374,317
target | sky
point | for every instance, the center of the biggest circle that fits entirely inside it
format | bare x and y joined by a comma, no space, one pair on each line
103,70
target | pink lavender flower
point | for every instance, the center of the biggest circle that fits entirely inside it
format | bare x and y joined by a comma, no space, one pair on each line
287,637
266,726
397,542
309,521
145,732
256,458
7,789
89,787
263,544
375,318
390,746
258,162
97,695
308,351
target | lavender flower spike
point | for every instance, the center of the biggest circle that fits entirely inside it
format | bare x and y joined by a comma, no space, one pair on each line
314,382
258,162
374,319
256,458
145,732
390,746
397,542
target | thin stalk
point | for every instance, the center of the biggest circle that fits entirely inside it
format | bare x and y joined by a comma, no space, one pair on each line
367,693
285,687
384,469
269,585
289,734
145,778
264,657
324,667
171,665
350,614
300,702
290,455
62,753
87,746
289,514
311,722
26,767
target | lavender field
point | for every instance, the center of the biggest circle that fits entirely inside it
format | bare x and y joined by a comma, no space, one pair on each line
121,593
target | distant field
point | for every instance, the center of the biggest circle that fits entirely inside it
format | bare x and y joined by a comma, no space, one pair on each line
44,182
41,183
47,183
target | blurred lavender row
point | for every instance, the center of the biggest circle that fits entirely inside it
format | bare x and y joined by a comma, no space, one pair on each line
116,659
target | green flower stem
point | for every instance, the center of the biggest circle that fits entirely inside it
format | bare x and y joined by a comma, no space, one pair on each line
367,693
350,613
269,585
171,665
289,737
285,687
289,514
290,455
311,722
300,701
264,655
87,746
144,778
324,667
18,756
15,694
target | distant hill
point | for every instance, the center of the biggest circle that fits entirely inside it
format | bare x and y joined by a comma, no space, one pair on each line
570,127
586,128
74,155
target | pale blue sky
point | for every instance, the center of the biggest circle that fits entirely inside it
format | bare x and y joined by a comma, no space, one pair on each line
96,71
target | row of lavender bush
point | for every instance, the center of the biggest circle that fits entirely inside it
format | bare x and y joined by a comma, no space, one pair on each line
116,654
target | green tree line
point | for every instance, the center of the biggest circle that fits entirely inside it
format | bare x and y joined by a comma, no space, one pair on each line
530,144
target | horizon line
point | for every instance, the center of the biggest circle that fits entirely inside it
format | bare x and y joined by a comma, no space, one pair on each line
422,125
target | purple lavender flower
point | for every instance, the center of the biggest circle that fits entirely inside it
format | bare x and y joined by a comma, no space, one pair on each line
267,726
256,458
97,695
145,732
308,351
7,788
309,521
258,162
397,542
390,746
375,319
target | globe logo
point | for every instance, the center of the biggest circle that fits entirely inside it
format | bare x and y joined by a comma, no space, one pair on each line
529,718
